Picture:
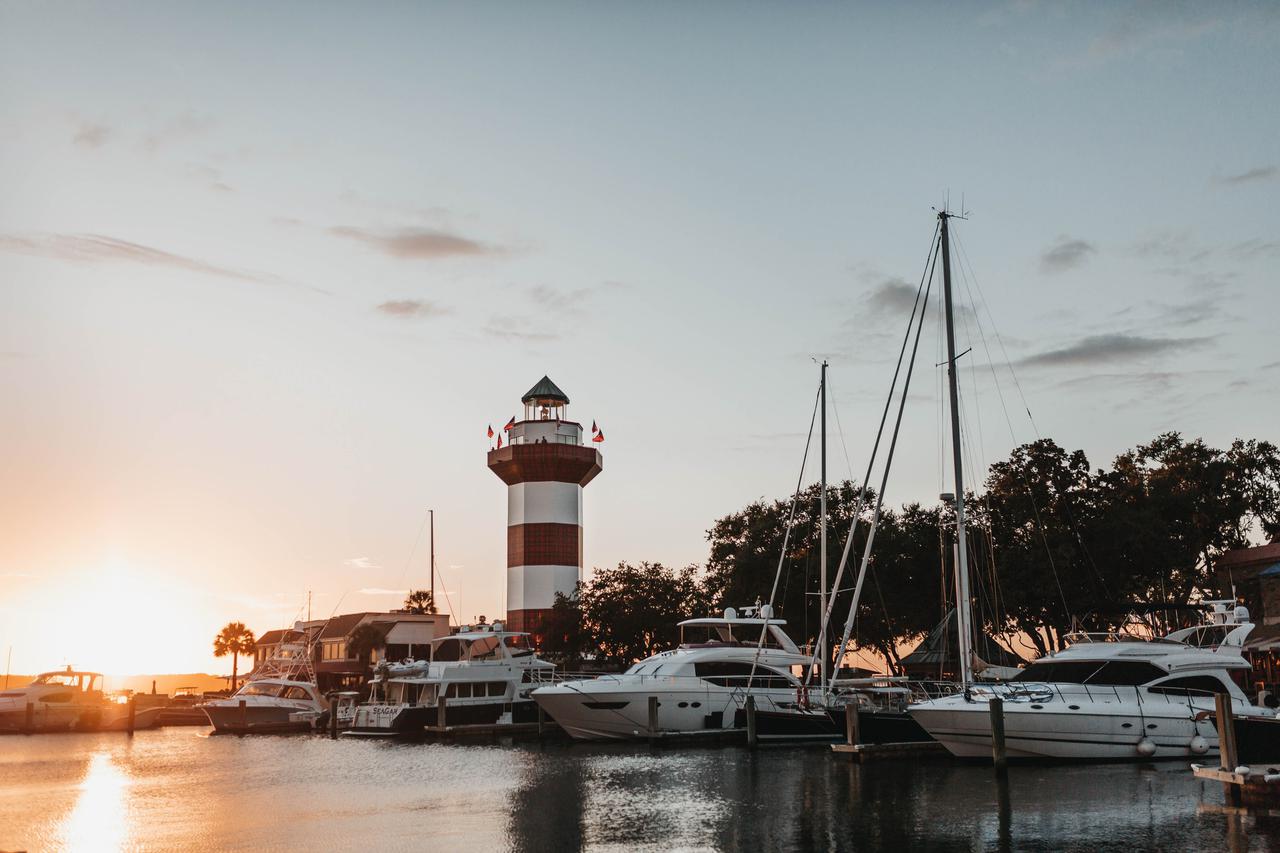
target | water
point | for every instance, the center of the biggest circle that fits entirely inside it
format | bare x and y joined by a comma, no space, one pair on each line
178,788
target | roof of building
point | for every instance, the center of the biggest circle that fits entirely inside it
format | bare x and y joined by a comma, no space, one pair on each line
272,637
545,390
1268,553
341,626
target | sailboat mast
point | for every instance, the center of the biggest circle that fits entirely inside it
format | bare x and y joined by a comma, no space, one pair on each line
822,537
963,616
432,513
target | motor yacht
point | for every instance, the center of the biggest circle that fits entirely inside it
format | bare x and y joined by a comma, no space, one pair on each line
700,687
70,700
1107,696
271,704
481,675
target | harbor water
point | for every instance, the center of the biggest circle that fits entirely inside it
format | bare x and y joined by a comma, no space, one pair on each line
181,789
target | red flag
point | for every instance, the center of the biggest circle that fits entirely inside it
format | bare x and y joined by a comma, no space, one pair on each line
599,437
510,423
490,430
594,429
499,447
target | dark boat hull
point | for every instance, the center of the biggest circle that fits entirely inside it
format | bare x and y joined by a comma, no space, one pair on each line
829,724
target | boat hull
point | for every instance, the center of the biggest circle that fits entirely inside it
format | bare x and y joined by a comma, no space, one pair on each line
257,719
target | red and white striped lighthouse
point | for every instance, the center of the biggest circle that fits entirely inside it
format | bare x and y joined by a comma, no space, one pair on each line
545,465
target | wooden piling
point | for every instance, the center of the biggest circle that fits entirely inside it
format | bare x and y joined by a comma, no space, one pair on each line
28,722
852,735
542,720
653,718
1229,757
244,717
333,718
751,722
998,755
133,711
442,712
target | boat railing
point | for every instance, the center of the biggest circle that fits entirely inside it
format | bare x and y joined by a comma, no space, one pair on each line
1073,695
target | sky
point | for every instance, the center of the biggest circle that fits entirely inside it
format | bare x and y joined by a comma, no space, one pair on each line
269,271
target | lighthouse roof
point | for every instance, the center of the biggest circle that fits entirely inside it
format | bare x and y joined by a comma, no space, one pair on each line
545,390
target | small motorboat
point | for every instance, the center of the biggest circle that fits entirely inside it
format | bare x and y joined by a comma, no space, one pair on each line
69,701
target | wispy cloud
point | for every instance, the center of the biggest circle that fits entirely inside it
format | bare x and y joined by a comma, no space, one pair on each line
1137,34
415,243
91,135
176,129
1067,253
362,563
98,248
377,590
413,309
893,296
1111,348
513,328
1249,176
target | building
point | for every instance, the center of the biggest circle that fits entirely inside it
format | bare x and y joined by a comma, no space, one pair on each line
1253,575
545,466
336,665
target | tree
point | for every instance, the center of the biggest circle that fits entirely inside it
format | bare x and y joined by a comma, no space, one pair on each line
235,640
564,639
420,601
630,612
364,641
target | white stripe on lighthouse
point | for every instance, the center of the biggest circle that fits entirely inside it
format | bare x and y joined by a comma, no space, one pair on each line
535,587
544,503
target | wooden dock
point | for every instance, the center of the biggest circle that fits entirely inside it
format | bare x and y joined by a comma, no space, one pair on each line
1241,785
864,752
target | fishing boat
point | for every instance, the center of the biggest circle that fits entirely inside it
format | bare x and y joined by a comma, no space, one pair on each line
69,700
279,696
482,675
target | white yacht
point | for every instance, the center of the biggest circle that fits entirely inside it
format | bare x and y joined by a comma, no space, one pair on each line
270,704
483,674
69,700
1107,697
701,686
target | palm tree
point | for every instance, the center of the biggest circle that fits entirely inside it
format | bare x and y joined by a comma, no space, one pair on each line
420,601
234,639
364,640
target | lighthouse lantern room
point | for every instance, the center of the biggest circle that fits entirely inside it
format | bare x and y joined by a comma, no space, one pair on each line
545,465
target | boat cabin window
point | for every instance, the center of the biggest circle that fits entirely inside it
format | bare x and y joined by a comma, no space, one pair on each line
707,635
260,689
1190,685
81,681
739,673
447,650
486,648
295,692
1106,673
518,646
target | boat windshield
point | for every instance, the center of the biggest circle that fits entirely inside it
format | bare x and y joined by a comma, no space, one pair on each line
83,681
1112,673
518,645
260,688
727,634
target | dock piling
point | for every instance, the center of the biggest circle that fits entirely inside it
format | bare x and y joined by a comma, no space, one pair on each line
998,756
28,722
243,717
653,718
851,733
442,713
133,711
1228,755
333,718
542,720
751,722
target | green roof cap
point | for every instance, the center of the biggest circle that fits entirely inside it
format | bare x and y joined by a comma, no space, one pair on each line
545,390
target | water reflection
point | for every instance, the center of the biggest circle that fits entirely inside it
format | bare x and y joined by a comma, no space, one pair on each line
99,818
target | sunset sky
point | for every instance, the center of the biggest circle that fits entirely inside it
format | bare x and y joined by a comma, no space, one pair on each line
268,271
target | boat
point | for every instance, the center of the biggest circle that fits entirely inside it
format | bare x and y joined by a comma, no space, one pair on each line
69,700
699,688
183,708
266,705
1108,696
481,675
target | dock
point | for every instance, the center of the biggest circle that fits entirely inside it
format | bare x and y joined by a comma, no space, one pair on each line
864,752
1241,785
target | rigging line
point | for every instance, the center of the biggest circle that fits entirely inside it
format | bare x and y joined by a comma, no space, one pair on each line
445,582
839,427
1008,421
416,540
930,260
893,443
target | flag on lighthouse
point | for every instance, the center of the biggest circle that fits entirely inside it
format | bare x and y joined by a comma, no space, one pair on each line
599,436
594,429
510,424
490,430
499,447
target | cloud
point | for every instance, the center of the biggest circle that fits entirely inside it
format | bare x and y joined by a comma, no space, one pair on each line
177,128
892,296
98,248
1254,248
1066,254
524,329
1259,173
91,135
411,308
377,590
1136,35
362,563
415,243
1110,348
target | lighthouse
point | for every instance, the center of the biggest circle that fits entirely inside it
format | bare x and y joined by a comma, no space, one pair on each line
545,465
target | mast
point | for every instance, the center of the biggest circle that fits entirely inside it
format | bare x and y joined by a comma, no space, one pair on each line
822,539
963,616
432,513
